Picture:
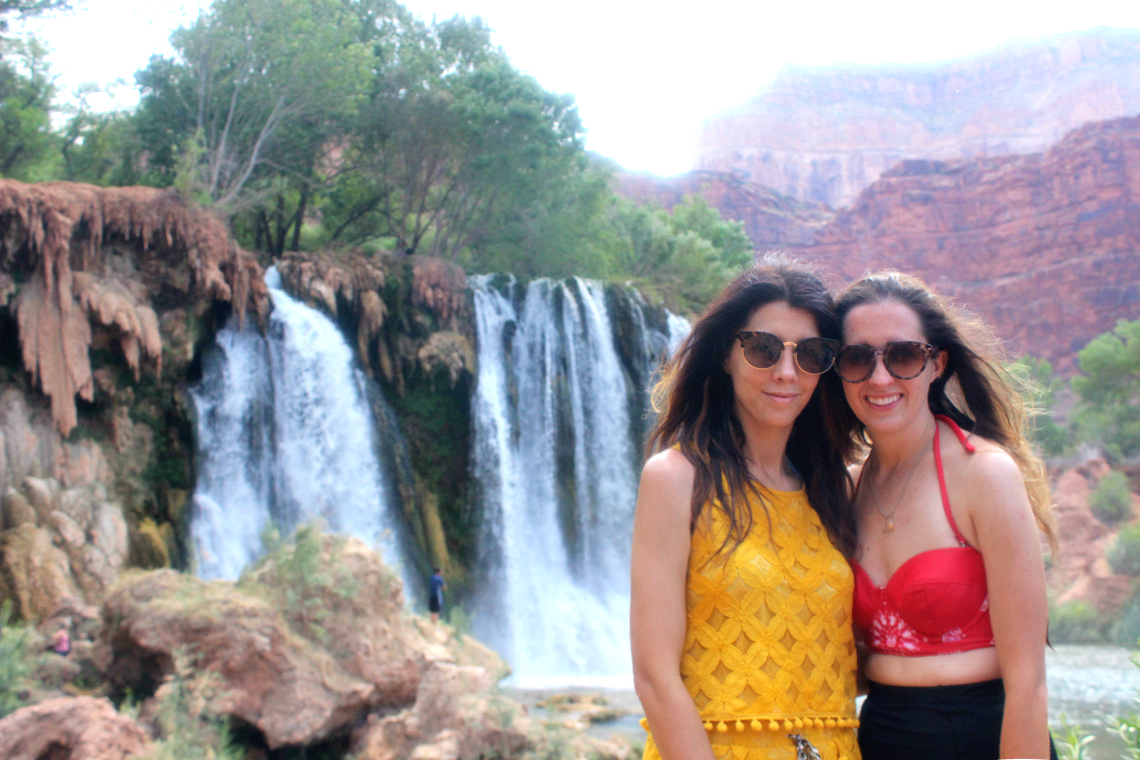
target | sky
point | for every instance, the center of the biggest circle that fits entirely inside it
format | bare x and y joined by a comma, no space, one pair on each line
644,74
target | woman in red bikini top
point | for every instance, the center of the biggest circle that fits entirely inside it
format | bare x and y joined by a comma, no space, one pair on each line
949,578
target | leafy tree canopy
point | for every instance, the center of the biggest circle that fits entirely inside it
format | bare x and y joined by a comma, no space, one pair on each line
1109,390
352,122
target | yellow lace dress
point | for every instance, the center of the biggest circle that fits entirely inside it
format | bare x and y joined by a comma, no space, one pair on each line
768,646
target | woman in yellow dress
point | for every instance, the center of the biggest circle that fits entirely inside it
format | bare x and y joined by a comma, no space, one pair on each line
740,615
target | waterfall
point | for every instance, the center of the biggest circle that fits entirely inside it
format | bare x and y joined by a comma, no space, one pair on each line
556,461
286,435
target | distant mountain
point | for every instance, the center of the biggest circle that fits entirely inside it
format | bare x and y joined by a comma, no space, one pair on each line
824,133
1045,246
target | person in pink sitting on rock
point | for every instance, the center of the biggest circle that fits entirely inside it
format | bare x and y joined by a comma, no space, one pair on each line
61,640
950,506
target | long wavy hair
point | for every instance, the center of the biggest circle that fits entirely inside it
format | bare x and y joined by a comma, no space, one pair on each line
974,390
697,408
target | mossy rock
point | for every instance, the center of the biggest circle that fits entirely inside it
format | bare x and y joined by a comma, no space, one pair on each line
149,547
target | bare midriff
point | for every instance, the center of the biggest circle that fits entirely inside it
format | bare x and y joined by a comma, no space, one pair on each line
935,670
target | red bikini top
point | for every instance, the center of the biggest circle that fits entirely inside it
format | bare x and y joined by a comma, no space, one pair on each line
936,602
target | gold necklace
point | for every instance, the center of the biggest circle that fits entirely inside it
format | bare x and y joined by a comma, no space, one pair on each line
890,518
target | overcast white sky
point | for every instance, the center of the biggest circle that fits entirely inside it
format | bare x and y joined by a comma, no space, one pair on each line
644,73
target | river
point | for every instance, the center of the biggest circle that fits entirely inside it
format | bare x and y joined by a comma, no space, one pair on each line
1088,685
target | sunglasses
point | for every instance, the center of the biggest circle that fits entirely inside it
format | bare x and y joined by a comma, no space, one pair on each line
813,355
904,360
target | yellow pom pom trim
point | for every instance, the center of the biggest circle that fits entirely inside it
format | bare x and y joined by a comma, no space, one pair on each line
818,723
831,722
757,725
721,728
787,725
799,723
708,725
773,725
739,725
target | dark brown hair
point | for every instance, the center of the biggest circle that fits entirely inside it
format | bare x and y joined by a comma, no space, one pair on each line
697,407
989,402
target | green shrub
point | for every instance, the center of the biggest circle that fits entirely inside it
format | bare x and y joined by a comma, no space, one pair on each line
1126,631
1111,501
17,661
187,731
458,618
1077,623
1124,553
1072,740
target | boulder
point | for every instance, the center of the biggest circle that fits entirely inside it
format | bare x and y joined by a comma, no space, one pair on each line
36,573
17,510
292,691
79,537
455,717
362,610
71,728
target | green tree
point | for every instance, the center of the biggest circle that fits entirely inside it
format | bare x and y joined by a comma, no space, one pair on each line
1111,500
10,9
99,148
685,257
452,141
1124,552
1109,390
254,92
26,94
1040,386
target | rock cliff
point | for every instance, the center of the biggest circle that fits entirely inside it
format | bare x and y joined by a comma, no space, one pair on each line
770,219
1044,246
106,295
823,134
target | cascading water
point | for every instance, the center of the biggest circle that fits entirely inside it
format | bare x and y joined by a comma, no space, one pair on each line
556,461
285,436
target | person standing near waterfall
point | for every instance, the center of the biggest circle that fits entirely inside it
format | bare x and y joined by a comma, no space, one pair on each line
951,505
435,596
740,613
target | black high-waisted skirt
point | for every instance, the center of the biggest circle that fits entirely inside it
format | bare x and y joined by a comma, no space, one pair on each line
933,722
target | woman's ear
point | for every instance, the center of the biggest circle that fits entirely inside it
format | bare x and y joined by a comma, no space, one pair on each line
940,362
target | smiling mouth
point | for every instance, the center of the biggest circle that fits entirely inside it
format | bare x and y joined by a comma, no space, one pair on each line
884,400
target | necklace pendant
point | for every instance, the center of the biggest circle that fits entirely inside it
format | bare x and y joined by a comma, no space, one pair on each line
890,527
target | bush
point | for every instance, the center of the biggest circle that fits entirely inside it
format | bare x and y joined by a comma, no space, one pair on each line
186,728
17,661
1111,501
1126,631
1124,553
1077,623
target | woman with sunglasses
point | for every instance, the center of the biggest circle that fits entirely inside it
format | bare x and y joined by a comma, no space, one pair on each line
741,595
949,578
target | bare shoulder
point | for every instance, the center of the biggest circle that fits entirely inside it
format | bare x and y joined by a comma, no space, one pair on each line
989,465
669,468
989,478
667,486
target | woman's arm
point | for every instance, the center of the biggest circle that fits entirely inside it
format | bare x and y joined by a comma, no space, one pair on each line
1015,574
661,544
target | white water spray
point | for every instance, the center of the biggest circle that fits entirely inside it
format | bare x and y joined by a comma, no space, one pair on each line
285,436
556,465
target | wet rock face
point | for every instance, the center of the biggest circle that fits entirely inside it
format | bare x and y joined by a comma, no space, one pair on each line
412,324
105,296
63,537
1043,245
71,728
